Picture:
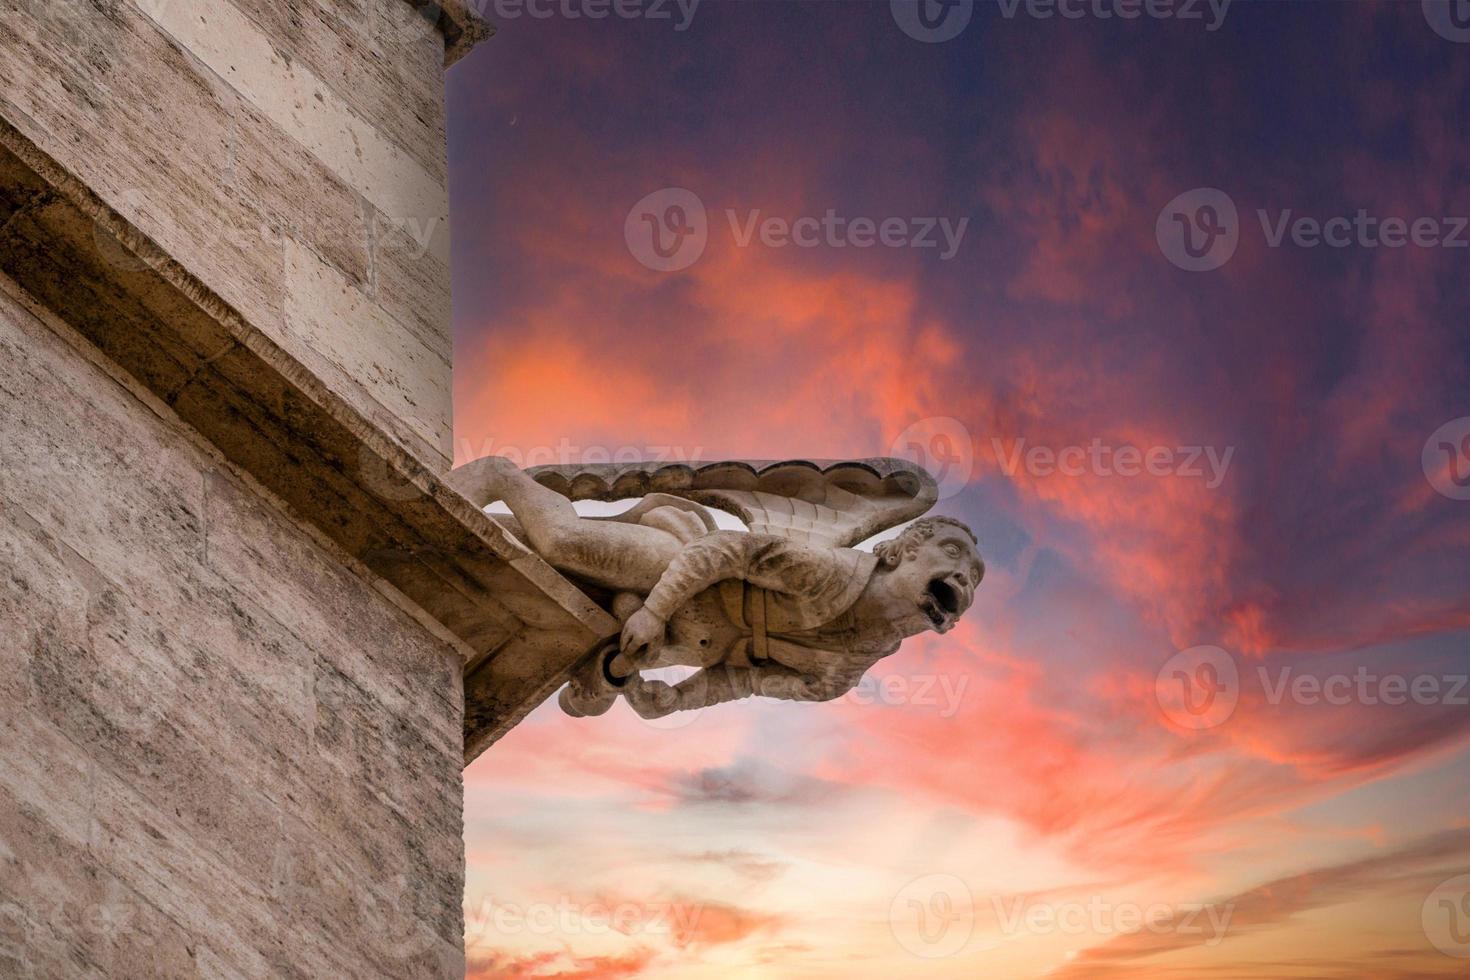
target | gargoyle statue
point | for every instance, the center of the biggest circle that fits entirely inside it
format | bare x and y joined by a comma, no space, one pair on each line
789,609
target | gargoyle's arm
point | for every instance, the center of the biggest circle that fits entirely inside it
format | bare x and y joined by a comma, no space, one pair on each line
764,560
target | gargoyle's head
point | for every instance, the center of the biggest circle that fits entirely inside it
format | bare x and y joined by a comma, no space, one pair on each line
935,566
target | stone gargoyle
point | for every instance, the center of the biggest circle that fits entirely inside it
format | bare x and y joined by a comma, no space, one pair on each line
788,609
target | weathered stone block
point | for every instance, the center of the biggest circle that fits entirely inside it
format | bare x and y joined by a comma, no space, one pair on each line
386,63
345,337
304,202
183,641
303,108
111,111
275,160
411,280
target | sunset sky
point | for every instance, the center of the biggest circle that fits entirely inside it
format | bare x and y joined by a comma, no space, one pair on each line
1030,795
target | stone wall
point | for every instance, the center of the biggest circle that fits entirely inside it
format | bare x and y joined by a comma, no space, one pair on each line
236,602
227,754
289,155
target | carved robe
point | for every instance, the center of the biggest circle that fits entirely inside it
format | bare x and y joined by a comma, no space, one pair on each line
772,605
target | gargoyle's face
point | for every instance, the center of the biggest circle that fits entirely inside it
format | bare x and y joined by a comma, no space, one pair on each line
940,577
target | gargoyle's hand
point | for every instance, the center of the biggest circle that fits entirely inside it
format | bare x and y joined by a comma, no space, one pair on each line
643,631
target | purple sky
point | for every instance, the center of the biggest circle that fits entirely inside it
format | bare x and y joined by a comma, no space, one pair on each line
1265,457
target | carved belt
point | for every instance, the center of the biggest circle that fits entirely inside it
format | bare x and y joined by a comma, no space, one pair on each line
745,605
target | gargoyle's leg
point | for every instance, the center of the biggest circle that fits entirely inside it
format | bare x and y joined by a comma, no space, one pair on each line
627,557
717,684
707,686
590,691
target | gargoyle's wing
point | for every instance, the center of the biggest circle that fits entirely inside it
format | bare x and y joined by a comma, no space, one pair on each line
837,503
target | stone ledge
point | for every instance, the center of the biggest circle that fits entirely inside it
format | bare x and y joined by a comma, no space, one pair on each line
460,22
269,415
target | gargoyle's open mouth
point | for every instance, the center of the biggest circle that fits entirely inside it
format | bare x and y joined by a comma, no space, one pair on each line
939,602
